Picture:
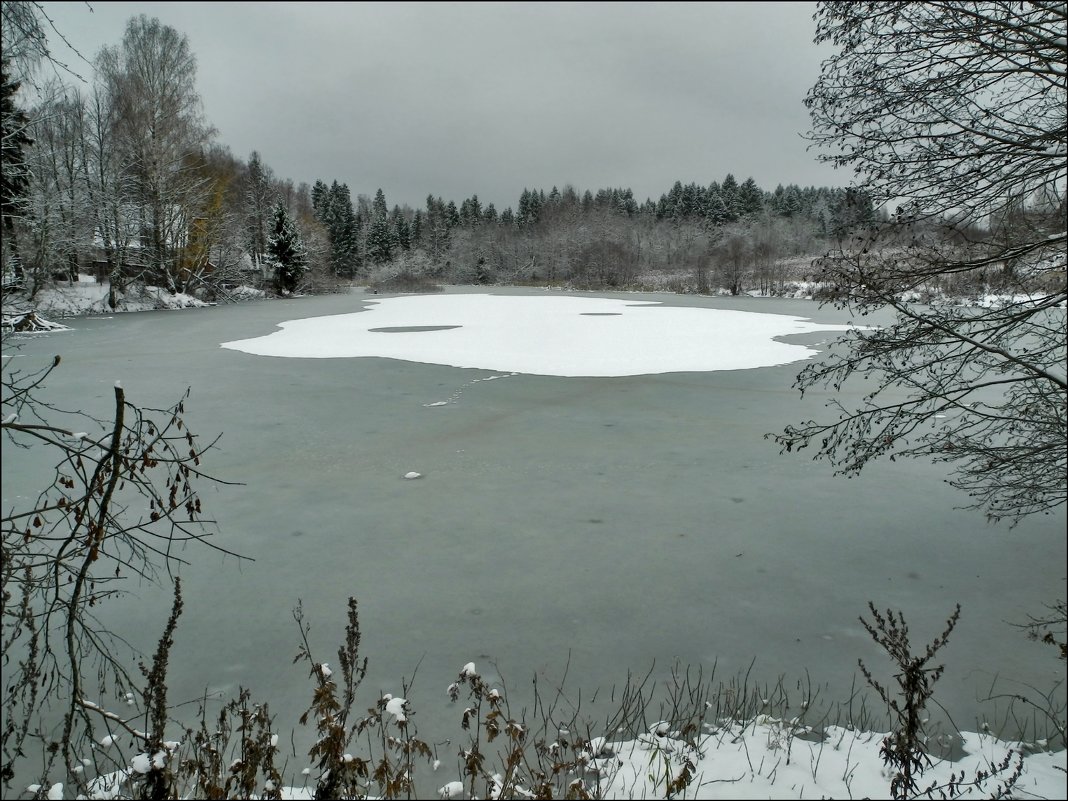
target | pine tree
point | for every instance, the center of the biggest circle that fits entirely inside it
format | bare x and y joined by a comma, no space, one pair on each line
716,211
471,212
750,199
380,238
401,231
258,205
729,192
626,204
319,194
530,205
415,230
452,215
285,251
343,229
792,203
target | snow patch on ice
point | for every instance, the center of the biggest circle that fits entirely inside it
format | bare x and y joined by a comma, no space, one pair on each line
554,336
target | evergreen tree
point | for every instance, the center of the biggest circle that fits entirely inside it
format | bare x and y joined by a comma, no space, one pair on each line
380,239
792,203
401,230
523,213
716,211
471,212
319,194
452,215
777,199
344,231
415,230
285,251
529,208
750,199
258,206
729,192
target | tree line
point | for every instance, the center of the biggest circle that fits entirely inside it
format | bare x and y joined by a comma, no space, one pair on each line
124,177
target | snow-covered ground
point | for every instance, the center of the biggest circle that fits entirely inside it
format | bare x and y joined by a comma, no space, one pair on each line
764,757
87,296
766,760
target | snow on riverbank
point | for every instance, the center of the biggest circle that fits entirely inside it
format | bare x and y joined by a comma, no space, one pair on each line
87,296
765,758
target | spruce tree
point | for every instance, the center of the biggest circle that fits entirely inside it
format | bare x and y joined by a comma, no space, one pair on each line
343,230
319,195
792,203
415,230
258,206
716,211
380,240
729,192
401,230
750,199
452,215
285,251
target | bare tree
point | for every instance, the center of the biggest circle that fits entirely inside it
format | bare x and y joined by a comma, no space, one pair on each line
109,191
956,110
123,500
150,80
57,226
26,27
733,254
15,173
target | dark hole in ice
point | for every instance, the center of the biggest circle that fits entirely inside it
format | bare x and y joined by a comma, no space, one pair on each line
410,329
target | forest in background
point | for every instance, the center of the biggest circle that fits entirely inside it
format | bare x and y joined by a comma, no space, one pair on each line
123,178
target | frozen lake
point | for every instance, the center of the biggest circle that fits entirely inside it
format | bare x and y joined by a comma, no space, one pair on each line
605,522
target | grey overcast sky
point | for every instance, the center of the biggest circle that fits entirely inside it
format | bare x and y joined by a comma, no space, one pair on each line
455,99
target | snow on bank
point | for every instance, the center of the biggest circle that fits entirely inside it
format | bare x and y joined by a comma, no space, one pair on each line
89,297
29,322
557,336
764,758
